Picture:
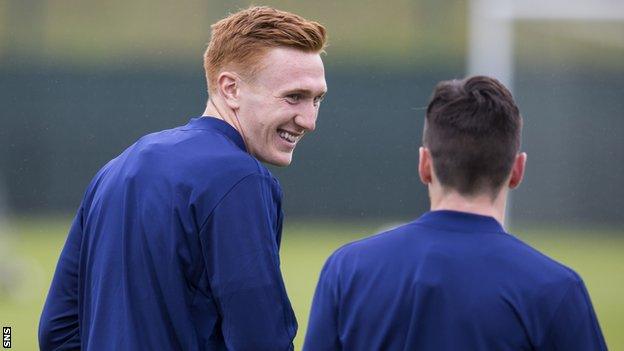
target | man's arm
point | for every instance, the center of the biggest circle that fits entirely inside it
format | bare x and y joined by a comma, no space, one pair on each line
241,253
322,334
574,325
58,326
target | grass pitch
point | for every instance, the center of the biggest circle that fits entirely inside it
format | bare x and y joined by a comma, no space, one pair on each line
30,247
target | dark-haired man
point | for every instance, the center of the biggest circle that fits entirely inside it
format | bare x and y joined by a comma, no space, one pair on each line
454,279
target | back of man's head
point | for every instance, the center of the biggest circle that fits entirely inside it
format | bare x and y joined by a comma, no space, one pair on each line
472,130
240,40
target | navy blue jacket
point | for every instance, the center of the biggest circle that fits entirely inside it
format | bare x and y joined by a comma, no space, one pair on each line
174,247
449,281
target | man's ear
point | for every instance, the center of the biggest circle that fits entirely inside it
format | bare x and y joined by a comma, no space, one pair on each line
517,171
229,89
425,166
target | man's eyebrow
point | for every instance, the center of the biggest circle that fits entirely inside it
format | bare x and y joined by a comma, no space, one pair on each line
306,92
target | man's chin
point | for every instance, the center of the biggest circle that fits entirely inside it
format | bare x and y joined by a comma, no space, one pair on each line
281,160
281,163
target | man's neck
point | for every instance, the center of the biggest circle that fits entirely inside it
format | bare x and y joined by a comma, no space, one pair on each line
221,113
480,204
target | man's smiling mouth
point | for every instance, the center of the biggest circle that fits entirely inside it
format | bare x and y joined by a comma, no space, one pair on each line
288,136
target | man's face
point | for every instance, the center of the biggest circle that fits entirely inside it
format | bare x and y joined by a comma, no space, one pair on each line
280,103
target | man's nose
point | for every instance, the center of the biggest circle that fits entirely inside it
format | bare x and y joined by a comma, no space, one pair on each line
307,118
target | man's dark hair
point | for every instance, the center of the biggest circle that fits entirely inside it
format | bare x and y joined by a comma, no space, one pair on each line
472,129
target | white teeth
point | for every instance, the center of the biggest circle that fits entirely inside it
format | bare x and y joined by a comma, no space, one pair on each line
290,137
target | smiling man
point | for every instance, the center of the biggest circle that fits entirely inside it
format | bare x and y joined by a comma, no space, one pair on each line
175,244
279,103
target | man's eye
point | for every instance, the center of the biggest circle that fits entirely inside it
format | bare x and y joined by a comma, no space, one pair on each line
293,98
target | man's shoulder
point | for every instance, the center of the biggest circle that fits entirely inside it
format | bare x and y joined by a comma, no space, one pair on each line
538,268
194,154
373,247
198,143
541,282
201,163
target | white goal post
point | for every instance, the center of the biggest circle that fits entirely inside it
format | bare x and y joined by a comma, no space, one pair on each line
491,28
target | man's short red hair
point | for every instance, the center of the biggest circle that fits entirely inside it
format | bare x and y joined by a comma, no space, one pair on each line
241,39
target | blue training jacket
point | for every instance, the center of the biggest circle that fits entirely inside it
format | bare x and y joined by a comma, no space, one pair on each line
445,282
174,247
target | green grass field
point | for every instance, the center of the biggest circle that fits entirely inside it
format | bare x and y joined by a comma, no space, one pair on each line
28,256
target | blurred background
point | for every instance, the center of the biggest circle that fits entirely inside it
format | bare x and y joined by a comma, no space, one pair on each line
82,80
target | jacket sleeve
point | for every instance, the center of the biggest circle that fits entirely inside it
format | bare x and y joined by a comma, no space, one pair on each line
240,248
58,326
322,334
574,325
